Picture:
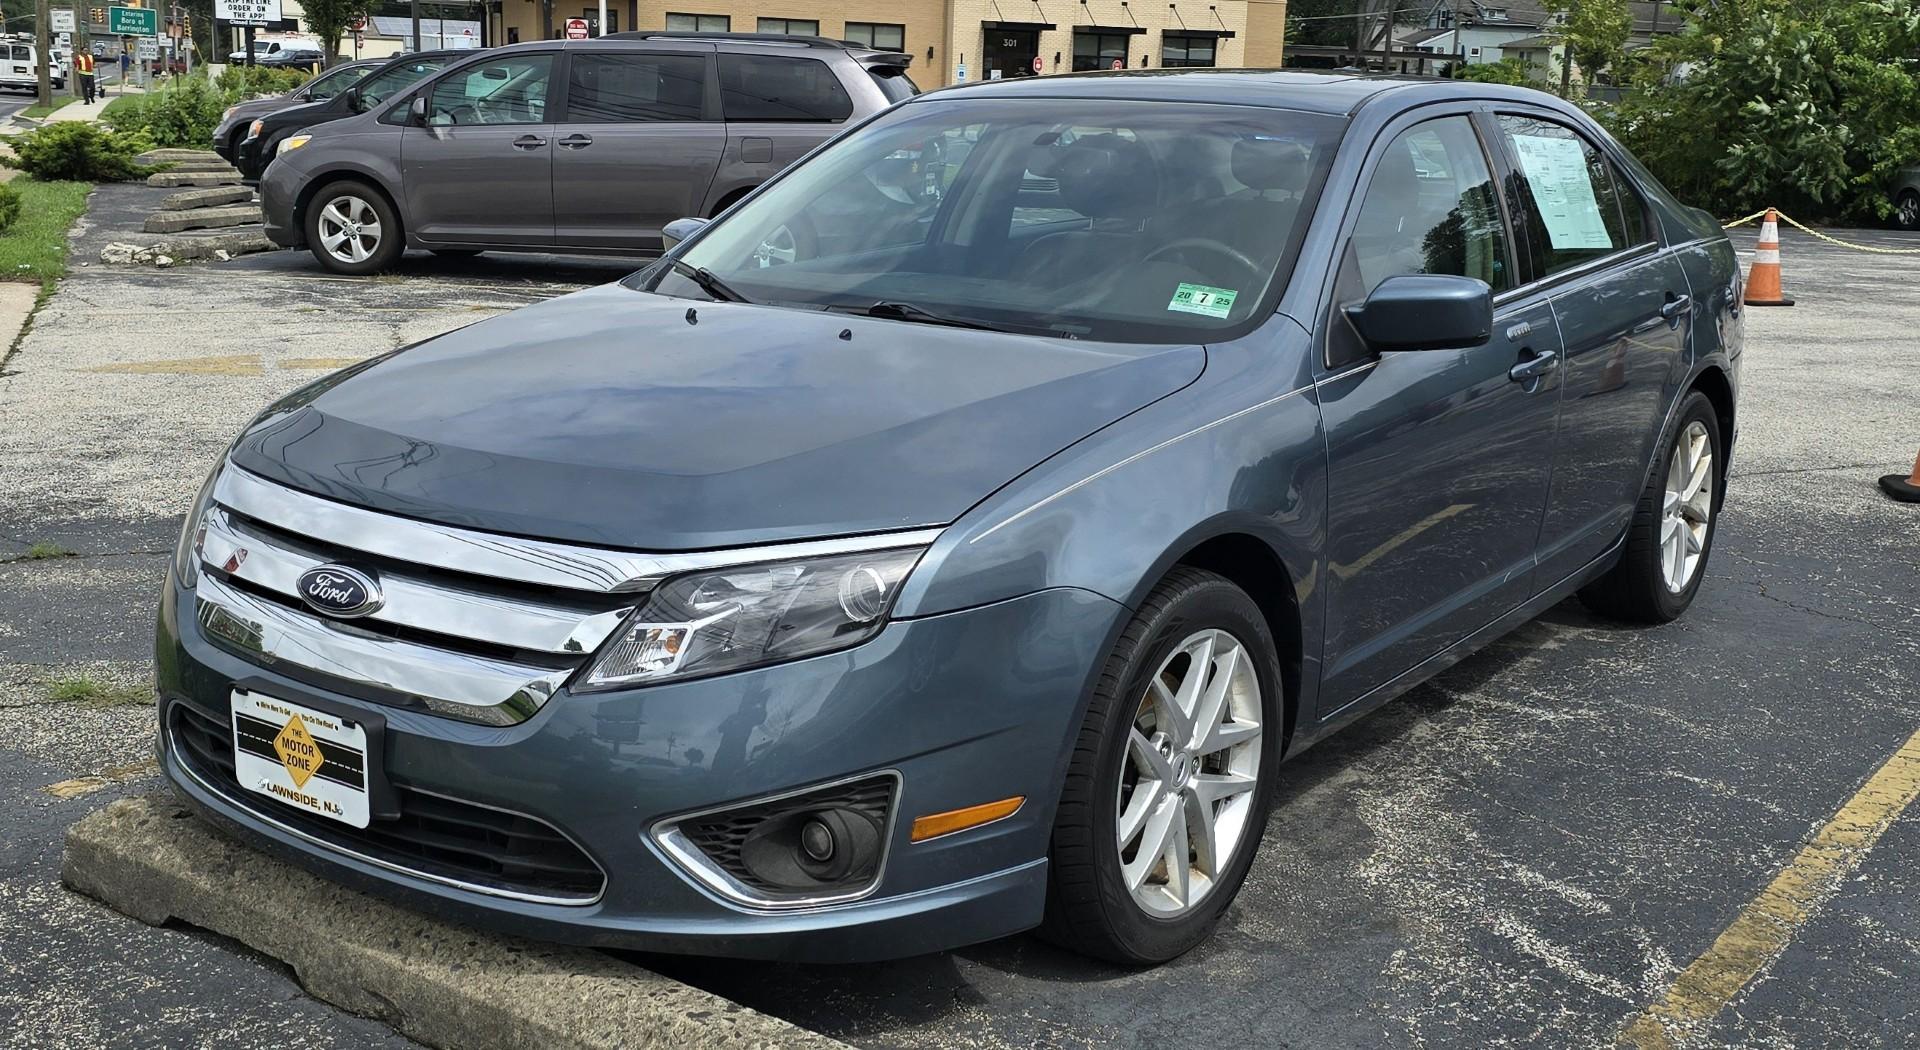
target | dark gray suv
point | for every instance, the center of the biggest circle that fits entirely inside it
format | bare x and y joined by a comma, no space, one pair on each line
589,145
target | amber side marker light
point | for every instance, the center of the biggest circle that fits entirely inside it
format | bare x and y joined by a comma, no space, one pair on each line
934,825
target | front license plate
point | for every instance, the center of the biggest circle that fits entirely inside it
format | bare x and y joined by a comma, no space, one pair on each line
305,758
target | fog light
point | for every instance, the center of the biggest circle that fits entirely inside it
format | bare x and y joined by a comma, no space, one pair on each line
817,840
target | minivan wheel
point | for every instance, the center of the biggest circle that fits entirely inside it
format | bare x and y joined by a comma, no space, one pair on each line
352,229
1171,777
1672,529
1906,210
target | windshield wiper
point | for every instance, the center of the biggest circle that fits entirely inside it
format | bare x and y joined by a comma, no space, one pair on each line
899,311
708,283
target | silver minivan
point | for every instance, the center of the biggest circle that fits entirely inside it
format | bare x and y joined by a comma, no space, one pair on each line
572,146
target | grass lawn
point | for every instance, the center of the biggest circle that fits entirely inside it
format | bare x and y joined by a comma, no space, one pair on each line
34,248
120,107
37,111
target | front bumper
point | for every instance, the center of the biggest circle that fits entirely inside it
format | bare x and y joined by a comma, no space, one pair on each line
966,707
279,192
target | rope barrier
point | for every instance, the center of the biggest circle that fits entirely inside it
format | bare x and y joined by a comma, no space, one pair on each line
1796,224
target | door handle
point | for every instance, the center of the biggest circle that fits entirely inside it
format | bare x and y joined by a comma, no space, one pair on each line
1534,367
529,142
1675,306
576,141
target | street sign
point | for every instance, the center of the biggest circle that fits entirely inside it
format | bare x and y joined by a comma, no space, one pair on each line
63,39
147,48
1116,65
1036,63
133,21
247,12
62,20
576,29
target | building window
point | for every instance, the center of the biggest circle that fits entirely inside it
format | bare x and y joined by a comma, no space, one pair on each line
882,36
1183,49
790,26
699,23
1093,49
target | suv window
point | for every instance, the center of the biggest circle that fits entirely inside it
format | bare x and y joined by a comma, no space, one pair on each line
382,85
332,82
613,89
1430,208
1574,205
508,91
766,87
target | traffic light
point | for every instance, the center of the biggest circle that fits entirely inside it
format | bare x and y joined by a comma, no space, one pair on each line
97,15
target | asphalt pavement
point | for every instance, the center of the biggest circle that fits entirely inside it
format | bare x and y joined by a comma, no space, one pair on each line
1529,850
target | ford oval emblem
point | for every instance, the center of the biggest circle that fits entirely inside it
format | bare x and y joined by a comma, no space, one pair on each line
339,591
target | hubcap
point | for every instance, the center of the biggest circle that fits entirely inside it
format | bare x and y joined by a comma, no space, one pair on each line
1909,210
1193,760
349,229
778,249
1688,509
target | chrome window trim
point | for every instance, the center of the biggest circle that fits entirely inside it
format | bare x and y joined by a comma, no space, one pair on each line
691,862
1573,273
506,557
386,865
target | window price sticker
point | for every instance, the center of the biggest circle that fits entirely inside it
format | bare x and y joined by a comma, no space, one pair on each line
1203,299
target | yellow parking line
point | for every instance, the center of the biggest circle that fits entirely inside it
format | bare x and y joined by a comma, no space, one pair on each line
1399,539
1766,925
105,779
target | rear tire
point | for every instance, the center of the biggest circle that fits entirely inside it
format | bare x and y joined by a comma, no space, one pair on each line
1139,911
1673,524
352,230
1906,210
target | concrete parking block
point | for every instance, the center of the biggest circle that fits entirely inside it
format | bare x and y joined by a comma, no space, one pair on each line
203,218
445,985
194,178
210,197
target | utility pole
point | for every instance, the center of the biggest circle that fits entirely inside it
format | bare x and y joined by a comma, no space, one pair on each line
415,5
43,46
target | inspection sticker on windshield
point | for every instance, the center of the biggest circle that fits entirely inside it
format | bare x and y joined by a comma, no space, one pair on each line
1203,299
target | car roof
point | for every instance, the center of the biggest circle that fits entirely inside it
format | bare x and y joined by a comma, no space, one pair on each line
1313,91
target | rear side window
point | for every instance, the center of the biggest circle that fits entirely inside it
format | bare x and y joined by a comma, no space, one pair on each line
634,89
1430,208
1576,207
894,83
766,87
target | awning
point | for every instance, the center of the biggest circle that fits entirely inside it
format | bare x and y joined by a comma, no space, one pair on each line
1125,30
1218,34
1037,26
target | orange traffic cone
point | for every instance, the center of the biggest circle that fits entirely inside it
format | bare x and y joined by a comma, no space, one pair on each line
1907,489
1763,278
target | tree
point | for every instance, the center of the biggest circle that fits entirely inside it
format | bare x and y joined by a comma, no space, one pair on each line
328,19
1592,33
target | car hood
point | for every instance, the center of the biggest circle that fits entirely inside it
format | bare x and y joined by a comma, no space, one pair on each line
259,107
622,418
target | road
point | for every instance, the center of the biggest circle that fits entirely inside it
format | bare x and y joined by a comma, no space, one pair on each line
1526,851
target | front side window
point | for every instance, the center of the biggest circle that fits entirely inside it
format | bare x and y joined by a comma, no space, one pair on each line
790,26
1128,222
1097,50
1185,50
1576,207
507,91
881,36
678,23
769,87
1430,208
384,84
331,83
619,89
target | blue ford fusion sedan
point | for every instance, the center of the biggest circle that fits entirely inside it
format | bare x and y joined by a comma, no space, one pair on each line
957,535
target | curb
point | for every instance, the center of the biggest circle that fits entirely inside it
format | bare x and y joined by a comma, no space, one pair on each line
444,985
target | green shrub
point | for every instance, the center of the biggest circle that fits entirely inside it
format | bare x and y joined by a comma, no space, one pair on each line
78,150
184,114
9,205
1511,70
240,83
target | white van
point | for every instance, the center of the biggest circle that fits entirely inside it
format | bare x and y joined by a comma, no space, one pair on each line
20,66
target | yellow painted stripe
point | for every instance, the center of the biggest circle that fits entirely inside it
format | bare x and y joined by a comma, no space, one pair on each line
1399,539
105,779
1765,926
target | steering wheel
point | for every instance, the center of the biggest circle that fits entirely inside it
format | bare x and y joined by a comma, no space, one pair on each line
1207,246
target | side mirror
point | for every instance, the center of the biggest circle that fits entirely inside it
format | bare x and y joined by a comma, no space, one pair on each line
417,111
1421,311
679,230
354,102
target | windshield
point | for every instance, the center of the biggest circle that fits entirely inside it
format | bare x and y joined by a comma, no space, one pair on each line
1119,221
380,86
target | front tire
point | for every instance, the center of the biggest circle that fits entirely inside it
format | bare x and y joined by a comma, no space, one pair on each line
1906,210
1672,529
1171,777
352,230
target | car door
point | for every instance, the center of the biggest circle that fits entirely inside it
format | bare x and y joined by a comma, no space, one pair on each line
480,171
637,146
1623,306
777,109
1437,460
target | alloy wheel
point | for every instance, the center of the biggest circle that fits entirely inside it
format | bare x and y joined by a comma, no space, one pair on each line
349,229
1186,789
1688,508
1907,211
778,249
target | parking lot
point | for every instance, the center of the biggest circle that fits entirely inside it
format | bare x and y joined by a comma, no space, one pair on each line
1527,851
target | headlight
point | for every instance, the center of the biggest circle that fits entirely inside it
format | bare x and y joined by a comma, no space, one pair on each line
228,114
253,129
292,142
728,619
186,553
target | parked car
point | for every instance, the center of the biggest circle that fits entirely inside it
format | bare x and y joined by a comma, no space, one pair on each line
266,133
960,575
651,127
238,119
266,49
1906,198
20,65
294,58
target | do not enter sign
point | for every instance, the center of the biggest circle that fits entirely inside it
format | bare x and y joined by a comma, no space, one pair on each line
1036,63
576,29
